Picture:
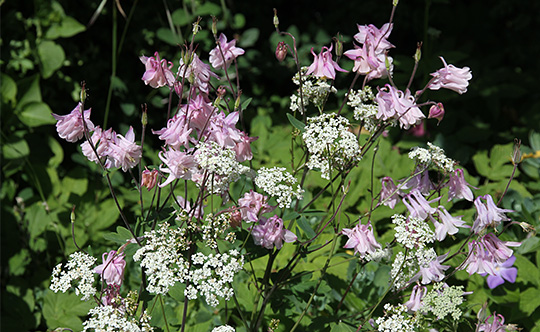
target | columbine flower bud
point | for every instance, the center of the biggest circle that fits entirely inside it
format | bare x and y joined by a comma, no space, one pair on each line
237,102
418,53
149,178
196,26
517,155
214,26
276,19
144,118
436,112
83,92
281,51
339,45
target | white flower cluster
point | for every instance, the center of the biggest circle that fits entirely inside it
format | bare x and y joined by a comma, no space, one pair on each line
379,255
433,156
216,227
412,232
211,275
162,258
110,319
223,328
396,319
330,143
403,270
79,267
443,300
279,183
365,108
314,91
221,164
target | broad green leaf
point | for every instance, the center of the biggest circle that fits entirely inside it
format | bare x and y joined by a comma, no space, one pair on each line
121,235
36,114
37,220
296,123
8,89
181,18
28,91
19,262
102,216
58,152
341,327
167,36
16,315
306,227
249,37
64,309
15,150
246,103
68,27
52,57
497,166
526,270
530,300
207,9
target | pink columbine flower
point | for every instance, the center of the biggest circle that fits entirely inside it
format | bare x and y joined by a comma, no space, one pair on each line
178,164
415,301
486,253
270,232
458,187
369,63
177,132
497,325
323,66
448,224
498,250
124,152
243,147
436,112
389,192
197,73
112,269
223,58
252,205
418,206
101,140
504,271
488,215
374,37
70,127
149,178
398,105
281,51
361,238
434,271
158,71
450,77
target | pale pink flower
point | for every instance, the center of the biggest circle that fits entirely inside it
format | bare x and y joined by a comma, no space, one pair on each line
124,152
197,73
199,112
420,181
498,250
418,206
323,66
158,71
448,224
389,192
70,127
178,164
223,58
434,271
488,215
112,269
478,261
101,140
369,63
415,301
243,147
497,325
361,238
450,77
252,205
393,103
374,37
458,187
177,132
149,178
270,232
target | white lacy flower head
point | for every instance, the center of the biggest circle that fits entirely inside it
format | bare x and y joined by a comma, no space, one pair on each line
444,300
109,318
396,319
314,91
365,108
211,275
412,232
78,269
432,157
223,328
279,183
330,143
162,258
215,227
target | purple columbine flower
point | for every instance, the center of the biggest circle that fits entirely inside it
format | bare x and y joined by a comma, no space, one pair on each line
488,214
361,238
458,187
389,192
323,66
434,271
415,301
418,206
252,205
497,325
112,269
447,225
270,232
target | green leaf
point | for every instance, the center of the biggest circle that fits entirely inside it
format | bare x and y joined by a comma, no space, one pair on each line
15,150
121,235
52,57
63,310
527,270
58,152
208,9
29,91
306,227
67,28
296,123
495,167
246,103
181,18
18,262
37,220
249,37
341,327
8,89
36,114
168,36
530,300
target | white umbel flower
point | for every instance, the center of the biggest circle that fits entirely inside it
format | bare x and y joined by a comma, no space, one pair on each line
78,269
279,183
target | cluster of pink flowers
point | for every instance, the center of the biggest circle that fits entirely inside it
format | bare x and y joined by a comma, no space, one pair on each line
222,56
361,238
323,66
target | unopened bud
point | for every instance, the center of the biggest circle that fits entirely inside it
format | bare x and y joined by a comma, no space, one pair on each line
144,117
237,102
387,64
276,19
72,216
339,45
236,219
517,156
436,112
214,26
221,91
83,92
395,3
281,51
418,53
149,178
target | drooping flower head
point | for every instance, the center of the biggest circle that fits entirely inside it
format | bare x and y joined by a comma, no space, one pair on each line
488,215
252,205
124,152
177,132
178,164
112,269
158,71
451,77
361,238
222,56
389,192
395,104
458,187
447,225
70,127
415,301
197,73
323,66
149,178
270,232
101,141
374,37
